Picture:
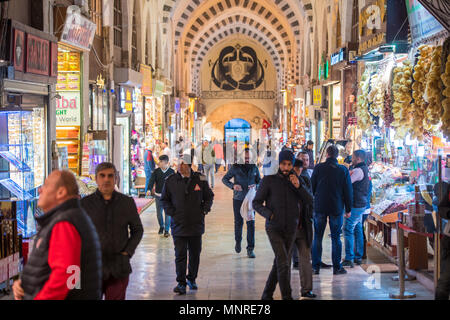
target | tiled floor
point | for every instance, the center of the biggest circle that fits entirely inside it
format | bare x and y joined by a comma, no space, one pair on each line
226,275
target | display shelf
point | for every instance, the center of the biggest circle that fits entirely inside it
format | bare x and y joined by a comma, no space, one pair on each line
11,158
15,189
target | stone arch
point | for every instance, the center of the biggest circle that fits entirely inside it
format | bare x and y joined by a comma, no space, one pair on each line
249,112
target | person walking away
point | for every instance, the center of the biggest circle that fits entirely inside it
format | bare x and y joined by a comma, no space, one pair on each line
187,198
245,176
149,166
119,227
442,291
157,179
310,151
218,152
278,200
332,190
209,160
353,229
65,262
306,174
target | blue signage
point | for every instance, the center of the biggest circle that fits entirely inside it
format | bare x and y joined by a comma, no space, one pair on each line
338,57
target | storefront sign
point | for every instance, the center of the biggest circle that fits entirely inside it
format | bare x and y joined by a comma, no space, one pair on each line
238,94
422,23
177,105
100,82
78,30
146,80
68,109
317,96
372,25
19,50
338,56
126,99
38,55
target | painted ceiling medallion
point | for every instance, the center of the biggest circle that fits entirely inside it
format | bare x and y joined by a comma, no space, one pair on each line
237,68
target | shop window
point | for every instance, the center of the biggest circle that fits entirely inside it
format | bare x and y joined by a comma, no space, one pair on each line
118,23
355,21
134,39
95,10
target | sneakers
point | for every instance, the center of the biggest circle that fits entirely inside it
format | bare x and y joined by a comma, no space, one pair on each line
166,234
340,271
238,247
192,285
180,289
161,231
251,254
325,266
358,262
308,295
295,265
316,271
347,263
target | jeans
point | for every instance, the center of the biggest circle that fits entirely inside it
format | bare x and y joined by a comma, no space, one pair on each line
239,223
353,232
320,222
159,214
183,245
209,172
281,270
443,286
148,174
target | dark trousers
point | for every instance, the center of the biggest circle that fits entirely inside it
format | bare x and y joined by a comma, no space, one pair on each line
115,289
239,223
301,249
443,286
183,245
281,243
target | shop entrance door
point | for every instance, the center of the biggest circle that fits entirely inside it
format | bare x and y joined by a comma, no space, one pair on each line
237,129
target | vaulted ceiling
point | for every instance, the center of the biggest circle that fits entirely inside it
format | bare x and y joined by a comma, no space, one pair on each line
276,24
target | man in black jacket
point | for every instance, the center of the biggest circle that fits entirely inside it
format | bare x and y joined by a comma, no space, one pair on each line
283,195
187,198
65,262
159,177
332,189
245,176
119,227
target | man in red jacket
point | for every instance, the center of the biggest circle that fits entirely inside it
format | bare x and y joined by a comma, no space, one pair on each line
65,262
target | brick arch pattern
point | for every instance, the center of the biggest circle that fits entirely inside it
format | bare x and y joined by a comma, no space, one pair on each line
230,31
287,7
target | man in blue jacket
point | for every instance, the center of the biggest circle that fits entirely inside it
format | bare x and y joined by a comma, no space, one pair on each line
245,177
332,189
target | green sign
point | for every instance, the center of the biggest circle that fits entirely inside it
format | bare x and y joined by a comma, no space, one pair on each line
324,70
159,89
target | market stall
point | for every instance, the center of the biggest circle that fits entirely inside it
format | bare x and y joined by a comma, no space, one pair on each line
403,113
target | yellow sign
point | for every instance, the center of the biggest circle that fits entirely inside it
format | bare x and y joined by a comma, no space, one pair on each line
317,96
100,81
147,89
191,105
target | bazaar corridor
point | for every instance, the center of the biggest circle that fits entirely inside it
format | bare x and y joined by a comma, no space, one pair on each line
225,275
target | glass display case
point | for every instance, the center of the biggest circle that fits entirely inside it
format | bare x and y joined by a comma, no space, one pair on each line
17,166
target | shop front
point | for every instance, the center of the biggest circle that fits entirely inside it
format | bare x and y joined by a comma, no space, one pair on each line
25,137
72,99
406,135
